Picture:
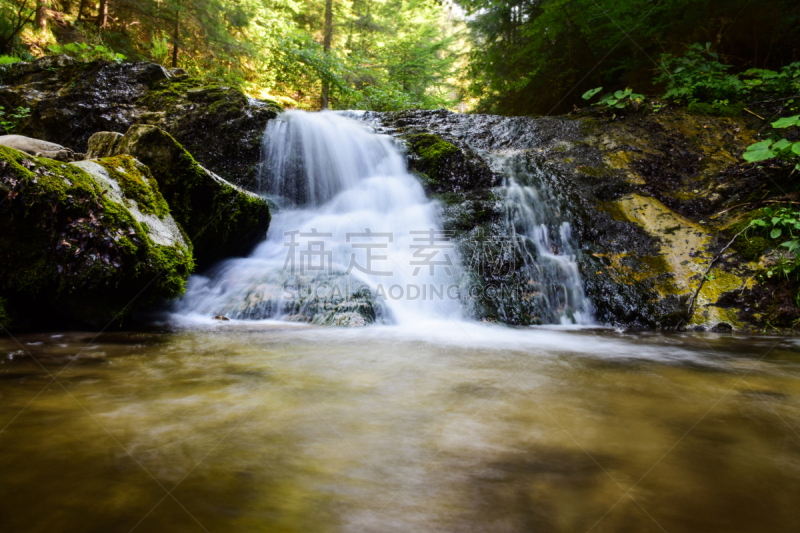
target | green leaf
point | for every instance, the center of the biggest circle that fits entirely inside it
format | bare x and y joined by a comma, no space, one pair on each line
758,152
781,145
796,148
590,93
619,94
793,246
787,122
775,233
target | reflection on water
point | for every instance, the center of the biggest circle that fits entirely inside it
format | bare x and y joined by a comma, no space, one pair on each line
287,428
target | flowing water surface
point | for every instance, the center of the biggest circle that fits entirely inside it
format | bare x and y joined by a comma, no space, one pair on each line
260,426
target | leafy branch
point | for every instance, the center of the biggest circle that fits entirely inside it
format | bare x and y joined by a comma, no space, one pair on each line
775,147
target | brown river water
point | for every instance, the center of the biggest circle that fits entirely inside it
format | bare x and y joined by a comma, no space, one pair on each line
451,428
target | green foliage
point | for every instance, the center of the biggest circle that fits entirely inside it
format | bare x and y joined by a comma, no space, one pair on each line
782,222
159,50
699,76
719,108
385,54
617,99
14,16
539,56
86,52
8,60
776,147
10,121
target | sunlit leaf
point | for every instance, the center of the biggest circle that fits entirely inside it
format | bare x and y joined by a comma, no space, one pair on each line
759,152
591,92
786,122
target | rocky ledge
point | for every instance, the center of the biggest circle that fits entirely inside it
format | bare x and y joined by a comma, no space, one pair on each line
652,200
71,100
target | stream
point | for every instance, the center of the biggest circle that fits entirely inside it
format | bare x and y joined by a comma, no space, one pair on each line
266,426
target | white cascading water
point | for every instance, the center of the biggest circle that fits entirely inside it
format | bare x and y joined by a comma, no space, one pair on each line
544,240
335,176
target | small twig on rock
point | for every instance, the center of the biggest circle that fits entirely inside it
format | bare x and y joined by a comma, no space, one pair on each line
711,264
762,118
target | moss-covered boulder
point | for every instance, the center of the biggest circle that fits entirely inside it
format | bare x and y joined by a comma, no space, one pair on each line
221,219
102,144
87,241
445,167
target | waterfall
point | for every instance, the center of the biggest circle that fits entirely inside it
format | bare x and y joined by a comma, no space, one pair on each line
543,238
353,239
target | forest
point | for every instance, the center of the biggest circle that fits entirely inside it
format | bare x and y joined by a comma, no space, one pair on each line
529,57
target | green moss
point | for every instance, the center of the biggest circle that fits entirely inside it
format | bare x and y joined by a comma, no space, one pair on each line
168,94
755,242
614,209
431,148
62,242
137,183
593,172
732,110
433,153
448,198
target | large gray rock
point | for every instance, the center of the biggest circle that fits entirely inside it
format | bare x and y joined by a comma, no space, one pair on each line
39,148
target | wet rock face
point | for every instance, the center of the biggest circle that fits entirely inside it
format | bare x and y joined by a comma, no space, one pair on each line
638,194
325,299
70,101
446,168
475,212
219,125
81,241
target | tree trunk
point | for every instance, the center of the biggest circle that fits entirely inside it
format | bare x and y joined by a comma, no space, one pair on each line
176,35
80,11
326,46
41,14
102,14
